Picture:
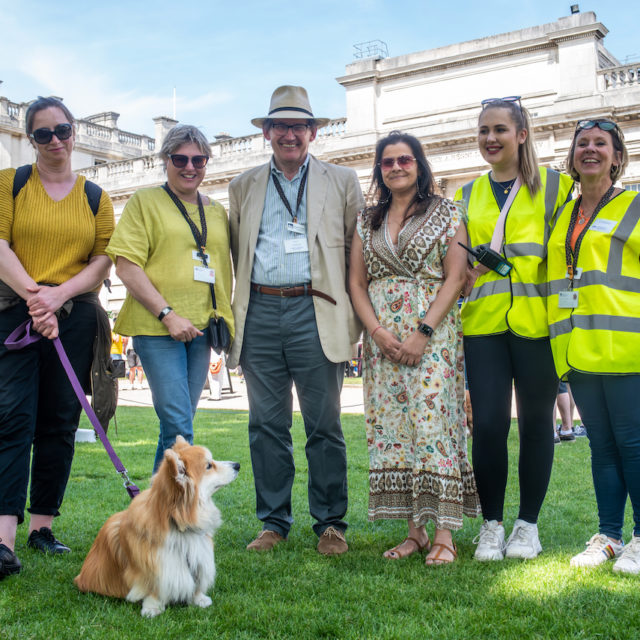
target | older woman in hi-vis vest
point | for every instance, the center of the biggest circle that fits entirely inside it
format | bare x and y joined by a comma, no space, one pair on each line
594,323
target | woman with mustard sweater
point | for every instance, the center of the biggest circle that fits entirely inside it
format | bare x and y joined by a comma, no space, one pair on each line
52,252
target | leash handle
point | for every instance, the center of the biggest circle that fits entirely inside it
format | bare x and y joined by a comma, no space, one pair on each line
21,337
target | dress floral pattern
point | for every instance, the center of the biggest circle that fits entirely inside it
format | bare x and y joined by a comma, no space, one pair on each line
416,424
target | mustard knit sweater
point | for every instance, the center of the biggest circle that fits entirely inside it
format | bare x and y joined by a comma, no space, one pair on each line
53,240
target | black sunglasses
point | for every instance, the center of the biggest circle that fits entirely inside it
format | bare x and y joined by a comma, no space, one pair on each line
44,135
487,101
604,125
180,161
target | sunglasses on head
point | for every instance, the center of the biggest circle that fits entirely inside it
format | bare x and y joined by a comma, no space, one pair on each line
604,125
403,162
180,161
44,135
488,101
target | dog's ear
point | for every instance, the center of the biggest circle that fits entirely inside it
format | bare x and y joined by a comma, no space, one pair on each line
177,470
180,443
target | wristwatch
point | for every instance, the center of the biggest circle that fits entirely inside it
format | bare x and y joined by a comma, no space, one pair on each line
165,312
425,329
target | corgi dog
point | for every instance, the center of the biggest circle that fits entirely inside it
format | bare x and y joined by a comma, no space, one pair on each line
160,549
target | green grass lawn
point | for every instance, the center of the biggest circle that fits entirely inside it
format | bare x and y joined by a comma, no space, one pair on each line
294,592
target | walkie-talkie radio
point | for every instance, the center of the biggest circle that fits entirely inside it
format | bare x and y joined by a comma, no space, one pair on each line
490,259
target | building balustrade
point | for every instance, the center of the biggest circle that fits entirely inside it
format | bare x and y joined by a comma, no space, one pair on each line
619,77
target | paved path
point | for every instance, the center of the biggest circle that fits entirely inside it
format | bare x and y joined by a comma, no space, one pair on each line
351,398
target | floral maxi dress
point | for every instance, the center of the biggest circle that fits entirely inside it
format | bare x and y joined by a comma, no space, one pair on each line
416,424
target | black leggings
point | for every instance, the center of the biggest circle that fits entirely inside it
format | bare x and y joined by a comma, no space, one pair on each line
493,362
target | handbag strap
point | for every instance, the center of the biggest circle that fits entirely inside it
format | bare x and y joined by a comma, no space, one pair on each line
200,238
498,231
21,337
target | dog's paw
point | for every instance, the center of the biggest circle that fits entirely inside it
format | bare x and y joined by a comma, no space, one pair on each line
202,600
151,607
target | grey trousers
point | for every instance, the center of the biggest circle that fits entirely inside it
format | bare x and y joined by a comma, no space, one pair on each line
280,347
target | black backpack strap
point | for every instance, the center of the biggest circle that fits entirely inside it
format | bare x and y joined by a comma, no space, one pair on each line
91,189
20,179
93,193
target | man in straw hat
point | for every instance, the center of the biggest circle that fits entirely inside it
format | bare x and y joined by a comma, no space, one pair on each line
291,223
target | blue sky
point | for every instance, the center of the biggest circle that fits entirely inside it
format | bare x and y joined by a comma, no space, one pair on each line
225,59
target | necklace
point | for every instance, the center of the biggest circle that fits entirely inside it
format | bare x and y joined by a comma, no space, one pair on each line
582,218
505,186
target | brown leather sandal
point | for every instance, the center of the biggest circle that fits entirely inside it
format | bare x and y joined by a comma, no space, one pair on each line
435,560
418,549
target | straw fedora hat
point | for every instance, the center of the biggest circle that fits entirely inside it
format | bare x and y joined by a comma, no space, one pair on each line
290,102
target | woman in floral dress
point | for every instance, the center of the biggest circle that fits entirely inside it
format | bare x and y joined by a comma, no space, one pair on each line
407,271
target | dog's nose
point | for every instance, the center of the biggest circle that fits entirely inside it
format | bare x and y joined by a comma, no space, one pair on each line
236,466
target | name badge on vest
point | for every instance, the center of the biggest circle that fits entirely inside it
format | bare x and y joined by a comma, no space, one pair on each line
602,225
296,245
568,300
296,227
204,274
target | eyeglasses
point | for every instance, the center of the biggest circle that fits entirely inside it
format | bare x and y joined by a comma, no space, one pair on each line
180,161
282,129
403,162
44,135
487,101
604,125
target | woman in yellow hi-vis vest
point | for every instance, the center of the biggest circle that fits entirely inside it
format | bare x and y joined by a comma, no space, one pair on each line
504,317
594,323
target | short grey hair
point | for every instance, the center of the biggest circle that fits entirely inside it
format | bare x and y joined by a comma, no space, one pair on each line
184,134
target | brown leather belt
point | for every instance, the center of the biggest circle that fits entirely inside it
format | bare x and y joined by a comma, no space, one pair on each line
292,292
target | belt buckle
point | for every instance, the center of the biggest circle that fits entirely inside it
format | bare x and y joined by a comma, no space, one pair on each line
282,291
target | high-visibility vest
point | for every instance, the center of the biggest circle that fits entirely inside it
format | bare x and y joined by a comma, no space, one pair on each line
602,334
516,302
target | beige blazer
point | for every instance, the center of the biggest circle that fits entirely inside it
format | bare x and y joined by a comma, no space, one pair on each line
334,198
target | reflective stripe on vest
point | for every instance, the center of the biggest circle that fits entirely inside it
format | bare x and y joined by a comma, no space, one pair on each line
517,302
602,335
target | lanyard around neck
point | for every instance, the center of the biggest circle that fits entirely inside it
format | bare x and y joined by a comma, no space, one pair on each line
283,197
572,254
200,238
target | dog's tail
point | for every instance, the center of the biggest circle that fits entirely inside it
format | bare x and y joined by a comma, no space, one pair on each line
104,567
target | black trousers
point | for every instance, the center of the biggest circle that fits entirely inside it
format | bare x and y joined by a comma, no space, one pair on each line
39,411
494,363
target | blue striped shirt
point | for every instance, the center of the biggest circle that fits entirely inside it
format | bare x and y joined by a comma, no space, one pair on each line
272,266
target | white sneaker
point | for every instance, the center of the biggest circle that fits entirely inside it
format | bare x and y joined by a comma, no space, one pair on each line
490,541
523,541
629,560
599,549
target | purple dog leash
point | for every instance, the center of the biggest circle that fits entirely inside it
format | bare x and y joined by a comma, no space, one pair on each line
22,337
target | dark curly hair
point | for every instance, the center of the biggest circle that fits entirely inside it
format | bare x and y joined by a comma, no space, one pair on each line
381,195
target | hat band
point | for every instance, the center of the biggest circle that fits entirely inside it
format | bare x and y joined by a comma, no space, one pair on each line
291,109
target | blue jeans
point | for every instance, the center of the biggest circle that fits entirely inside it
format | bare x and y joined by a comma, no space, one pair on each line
608,407
176,372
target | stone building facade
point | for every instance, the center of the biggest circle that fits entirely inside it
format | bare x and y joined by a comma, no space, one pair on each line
562,71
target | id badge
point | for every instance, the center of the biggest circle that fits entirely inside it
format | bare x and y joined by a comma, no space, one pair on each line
296,245
196,256
204,274
568,300
296,227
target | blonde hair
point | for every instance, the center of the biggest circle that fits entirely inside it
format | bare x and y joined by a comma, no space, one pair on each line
527,157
